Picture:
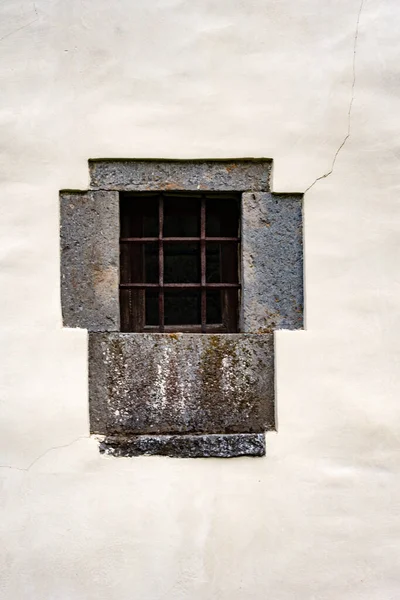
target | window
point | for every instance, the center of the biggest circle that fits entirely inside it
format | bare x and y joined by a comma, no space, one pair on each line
179,262
201,247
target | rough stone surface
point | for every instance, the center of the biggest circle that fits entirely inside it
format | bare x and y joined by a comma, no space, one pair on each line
142,175
180,383
272,262
186,446
90,260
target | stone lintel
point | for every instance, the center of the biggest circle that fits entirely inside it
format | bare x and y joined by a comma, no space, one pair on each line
186,446
163,175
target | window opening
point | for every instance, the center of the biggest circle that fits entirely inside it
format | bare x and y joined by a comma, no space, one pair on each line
179,262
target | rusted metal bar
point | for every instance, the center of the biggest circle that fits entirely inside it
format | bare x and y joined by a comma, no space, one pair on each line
207,286
214,328
203,264
178,239
229,272
161,316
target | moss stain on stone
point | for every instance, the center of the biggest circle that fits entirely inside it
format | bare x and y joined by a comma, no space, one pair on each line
224,372
199,383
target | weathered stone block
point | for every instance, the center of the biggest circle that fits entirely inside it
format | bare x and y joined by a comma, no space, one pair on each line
272,262
162,175
186,446
180,383
90,260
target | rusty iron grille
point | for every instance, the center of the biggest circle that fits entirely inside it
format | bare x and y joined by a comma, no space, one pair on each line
179,262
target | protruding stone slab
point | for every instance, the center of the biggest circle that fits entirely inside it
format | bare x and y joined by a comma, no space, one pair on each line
272,262
90,260
161,175
186,446
180,383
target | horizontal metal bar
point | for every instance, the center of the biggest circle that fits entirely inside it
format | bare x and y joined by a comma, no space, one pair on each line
181,286
214,328
178,239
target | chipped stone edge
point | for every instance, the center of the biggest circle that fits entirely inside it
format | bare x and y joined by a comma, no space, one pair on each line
185,446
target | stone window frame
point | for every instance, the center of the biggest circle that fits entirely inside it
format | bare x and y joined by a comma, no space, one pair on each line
271,298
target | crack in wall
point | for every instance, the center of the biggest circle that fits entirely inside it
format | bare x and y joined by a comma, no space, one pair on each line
43,454
350,105
19,29
23,26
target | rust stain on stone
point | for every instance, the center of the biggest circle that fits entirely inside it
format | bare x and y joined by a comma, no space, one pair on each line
174,336
171,185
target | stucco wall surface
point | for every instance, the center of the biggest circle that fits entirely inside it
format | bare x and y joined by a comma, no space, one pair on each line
313,85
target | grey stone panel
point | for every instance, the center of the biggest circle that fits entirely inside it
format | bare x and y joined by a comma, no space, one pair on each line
214,175
272,262
186,446
90,260
180,383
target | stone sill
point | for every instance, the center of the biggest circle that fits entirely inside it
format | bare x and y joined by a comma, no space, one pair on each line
180,384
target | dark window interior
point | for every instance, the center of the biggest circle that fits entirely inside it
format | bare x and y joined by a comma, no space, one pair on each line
179,262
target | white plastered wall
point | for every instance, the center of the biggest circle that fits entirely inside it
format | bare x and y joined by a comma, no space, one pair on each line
319,516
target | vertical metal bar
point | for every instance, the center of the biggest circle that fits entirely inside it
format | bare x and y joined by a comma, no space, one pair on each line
203,264
132,267
124,253
161,263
